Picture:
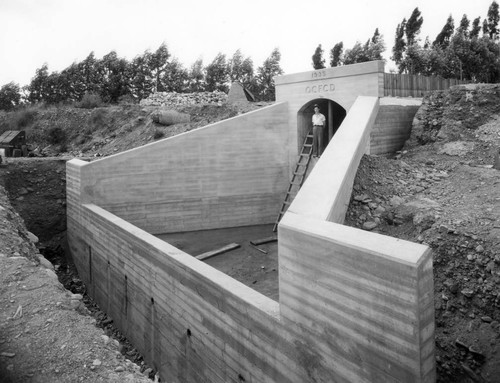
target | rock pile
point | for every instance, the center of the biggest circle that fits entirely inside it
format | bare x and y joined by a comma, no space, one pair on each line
175,100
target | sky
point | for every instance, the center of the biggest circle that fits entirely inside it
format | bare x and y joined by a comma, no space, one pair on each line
60,32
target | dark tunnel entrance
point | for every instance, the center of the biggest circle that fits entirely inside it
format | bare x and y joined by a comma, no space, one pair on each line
333,112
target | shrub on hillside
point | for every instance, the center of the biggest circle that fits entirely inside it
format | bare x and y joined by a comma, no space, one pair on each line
56,135
158,134
89,101
126,99
97,117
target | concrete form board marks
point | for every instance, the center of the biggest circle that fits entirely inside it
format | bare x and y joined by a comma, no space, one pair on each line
346,312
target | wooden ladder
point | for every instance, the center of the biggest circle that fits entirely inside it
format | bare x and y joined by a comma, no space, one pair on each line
298,176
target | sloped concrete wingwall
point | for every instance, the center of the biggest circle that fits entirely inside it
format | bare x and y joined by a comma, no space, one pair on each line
393,124
364,298
231,173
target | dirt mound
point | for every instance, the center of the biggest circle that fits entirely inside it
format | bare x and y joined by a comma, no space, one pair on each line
462,121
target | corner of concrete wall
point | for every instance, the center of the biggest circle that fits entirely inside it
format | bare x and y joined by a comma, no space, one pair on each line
363,299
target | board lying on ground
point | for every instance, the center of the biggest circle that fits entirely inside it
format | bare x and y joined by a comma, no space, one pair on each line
212,253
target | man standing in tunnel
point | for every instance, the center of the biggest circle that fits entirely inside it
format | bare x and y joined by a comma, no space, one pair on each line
318,122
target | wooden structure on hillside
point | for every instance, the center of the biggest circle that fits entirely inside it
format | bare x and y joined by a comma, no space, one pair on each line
14,143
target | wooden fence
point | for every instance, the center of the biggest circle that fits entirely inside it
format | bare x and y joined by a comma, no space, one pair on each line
407,85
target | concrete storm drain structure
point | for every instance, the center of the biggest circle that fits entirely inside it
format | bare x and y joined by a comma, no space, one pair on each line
354,306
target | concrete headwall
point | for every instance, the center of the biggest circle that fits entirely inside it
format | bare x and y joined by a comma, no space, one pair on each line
339,84
232,173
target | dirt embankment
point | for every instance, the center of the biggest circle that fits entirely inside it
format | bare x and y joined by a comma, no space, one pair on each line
47,334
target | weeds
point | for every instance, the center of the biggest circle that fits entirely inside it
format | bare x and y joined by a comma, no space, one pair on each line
97,117
158,134
23,118
56,135
89,101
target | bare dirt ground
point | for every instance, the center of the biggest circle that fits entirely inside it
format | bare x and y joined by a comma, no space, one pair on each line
255,268
440,190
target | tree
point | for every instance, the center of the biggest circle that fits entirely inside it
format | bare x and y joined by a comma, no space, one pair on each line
266,73
196,77
493,18
91,74
443,38
74,83
463,28
318,62
376,36
376,46
355,55
158,62
115,79
476,28
10,96
336,54
240,68
175,78
399,44
141,83
216,74
413,27
38,84
486,30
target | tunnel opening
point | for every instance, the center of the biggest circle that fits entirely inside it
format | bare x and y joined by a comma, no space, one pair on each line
333,112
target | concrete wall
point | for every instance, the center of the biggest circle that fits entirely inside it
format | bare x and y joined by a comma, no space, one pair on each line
232,173
191,322
393,124
365,298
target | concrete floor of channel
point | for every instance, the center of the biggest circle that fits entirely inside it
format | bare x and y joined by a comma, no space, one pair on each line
245,264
